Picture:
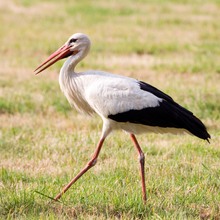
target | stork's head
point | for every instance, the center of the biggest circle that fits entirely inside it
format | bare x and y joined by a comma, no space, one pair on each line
77,44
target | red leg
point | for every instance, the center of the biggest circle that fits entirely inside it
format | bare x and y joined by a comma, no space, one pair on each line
142,160
90,164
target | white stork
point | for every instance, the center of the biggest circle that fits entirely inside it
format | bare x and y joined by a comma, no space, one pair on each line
123,103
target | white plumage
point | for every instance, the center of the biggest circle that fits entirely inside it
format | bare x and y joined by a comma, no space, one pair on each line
122,102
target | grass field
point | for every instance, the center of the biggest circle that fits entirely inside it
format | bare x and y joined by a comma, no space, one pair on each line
171,44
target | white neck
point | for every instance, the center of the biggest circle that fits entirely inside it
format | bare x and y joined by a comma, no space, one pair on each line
70,64
67,72
71,85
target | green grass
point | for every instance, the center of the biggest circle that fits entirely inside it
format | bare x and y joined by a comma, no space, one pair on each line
173,45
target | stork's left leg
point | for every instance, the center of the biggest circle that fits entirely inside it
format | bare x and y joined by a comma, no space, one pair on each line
141,160
89,165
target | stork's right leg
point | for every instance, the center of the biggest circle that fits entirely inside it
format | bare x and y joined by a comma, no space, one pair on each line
142,160
90,164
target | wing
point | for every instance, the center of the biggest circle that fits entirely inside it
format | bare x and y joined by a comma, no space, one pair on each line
168,114
128,100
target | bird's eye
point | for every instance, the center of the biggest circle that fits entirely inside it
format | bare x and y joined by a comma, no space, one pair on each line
73,40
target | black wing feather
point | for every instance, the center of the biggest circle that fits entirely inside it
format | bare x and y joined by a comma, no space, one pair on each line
168,114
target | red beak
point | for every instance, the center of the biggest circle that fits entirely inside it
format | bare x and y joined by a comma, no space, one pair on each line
61,53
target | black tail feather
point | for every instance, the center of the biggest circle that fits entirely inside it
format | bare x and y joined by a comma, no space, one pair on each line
168,114
190,122
178,115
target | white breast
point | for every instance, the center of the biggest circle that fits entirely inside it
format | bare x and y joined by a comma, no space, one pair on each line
73,88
